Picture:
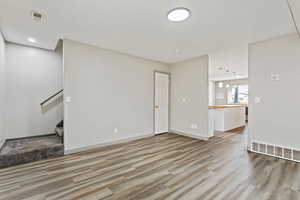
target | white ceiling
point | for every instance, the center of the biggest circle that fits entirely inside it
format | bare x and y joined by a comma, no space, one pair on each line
140,27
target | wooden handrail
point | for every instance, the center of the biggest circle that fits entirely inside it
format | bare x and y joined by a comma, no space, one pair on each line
51,97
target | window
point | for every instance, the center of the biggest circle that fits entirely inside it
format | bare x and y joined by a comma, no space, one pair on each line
238,95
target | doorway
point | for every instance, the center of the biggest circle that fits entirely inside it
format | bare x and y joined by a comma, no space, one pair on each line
161,102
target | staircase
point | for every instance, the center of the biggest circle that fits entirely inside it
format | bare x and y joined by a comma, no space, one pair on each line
35,148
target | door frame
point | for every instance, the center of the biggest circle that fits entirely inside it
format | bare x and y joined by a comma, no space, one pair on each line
154,95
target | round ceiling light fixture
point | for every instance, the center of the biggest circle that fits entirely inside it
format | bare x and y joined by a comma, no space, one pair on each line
179,14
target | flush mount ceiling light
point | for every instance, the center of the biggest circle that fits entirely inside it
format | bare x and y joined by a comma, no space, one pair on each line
32,40
179,14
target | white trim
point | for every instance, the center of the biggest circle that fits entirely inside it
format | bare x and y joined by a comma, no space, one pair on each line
77,150
191,135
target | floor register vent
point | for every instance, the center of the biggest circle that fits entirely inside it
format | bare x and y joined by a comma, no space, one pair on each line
276,151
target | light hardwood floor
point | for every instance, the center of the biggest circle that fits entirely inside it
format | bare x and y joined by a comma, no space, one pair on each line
161,167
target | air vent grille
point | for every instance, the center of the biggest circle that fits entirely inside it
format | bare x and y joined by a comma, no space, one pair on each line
255,146
262,148
270,150
37,16
278,152
275,151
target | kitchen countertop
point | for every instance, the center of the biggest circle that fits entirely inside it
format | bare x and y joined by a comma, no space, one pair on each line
226,106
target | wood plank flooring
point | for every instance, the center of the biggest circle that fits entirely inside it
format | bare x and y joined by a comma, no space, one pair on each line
164,167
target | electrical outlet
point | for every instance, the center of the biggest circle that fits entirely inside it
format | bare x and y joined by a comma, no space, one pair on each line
194,126
257,100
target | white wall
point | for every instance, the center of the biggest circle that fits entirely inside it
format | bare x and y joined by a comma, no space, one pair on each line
234,59
276,119
32,75
108,90
189,97
2,88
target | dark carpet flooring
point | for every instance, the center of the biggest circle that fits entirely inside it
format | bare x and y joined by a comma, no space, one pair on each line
20,151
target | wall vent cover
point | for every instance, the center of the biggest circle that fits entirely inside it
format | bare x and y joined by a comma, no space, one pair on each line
275,151
36,16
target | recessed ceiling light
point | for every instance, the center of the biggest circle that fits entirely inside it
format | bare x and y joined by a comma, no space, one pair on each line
31,40
179,14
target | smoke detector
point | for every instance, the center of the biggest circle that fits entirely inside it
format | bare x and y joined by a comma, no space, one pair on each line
36,16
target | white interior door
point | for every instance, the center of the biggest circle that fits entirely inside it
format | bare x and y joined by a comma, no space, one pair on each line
161,102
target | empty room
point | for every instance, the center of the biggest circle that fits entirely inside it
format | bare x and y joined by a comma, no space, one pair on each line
149,100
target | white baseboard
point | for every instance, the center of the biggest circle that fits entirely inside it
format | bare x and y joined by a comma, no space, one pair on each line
77,150
190,135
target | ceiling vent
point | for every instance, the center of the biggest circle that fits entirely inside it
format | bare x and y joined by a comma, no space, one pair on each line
36,16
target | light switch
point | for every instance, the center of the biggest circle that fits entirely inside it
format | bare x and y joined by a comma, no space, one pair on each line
194,126
257,100
275,77
183,100
67,99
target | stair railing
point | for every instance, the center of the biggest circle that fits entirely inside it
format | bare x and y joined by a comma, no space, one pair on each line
51,97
